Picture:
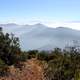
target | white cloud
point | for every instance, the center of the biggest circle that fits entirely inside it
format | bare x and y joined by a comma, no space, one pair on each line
45,21
53,24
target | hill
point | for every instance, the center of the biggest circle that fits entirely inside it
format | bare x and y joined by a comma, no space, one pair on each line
41,37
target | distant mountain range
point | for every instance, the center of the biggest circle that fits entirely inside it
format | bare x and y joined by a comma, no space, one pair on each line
41,37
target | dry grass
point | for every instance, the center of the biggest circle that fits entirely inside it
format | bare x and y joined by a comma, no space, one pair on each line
32,70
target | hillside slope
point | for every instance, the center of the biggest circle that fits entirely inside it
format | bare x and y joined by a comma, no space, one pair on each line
31,71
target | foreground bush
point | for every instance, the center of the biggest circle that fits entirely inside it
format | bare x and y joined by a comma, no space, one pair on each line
9,51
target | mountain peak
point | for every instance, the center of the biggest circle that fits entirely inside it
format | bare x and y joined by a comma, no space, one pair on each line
62,27
8,24
39,24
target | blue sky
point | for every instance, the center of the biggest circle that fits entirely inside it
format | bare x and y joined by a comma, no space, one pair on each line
44,11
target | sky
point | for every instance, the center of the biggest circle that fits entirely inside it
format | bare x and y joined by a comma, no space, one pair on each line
52,13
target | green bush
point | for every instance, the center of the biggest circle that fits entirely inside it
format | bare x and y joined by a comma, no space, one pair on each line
9,48
23,56
42,56
32,54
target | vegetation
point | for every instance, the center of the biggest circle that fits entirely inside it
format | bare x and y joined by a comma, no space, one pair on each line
10,52
60,64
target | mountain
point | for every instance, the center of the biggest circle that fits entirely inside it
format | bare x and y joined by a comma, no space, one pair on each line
41,37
